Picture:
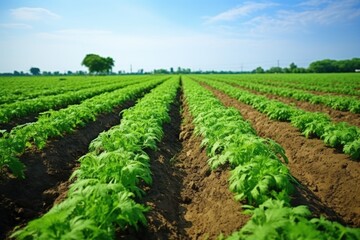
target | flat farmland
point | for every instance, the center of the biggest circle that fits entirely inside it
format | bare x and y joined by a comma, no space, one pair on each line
212,156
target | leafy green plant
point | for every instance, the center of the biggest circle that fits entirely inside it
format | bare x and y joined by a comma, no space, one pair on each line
102,197
56,123
258,175
311,124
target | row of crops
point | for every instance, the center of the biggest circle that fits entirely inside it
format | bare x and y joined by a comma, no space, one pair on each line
24,108
21,88
343,103
338,135
56,123
107,187
258,174
102,196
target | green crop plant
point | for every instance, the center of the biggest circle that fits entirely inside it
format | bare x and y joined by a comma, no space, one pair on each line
258,176
275,220
343,103
102,197
311,124
56,123
42,103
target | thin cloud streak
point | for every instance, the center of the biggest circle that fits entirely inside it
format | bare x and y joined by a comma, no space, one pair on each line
237,12
15,26
32,14
283,21
291,20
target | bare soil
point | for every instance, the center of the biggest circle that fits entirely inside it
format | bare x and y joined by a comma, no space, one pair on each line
329,180
335,115
47,173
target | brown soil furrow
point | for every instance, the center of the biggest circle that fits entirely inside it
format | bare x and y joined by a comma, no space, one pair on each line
330,176
209,205
330,93
47,173
165,219
188,200
336,115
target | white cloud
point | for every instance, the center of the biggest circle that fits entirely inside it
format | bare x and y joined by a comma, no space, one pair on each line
32,14
323,13
314,3
234,13
15,26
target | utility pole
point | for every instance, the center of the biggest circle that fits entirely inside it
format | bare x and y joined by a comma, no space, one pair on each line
278,63
130,68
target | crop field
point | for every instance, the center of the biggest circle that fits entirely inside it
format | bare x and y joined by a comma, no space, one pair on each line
212,156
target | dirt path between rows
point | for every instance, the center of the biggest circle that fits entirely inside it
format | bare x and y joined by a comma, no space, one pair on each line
331,177
188,200
336,115
47,173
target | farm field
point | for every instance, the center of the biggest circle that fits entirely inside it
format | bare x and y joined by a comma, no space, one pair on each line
248,156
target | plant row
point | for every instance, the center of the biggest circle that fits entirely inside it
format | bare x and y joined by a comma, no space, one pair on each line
258,175
347,90
56,123
342,103
337,135
43,103
21,88
337,80
101,200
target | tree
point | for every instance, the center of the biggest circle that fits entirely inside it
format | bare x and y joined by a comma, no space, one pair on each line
97,64
324,66
293,67
259,70
35,71
275,70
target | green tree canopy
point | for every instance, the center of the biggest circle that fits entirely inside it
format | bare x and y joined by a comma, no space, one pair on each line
98,64
35,71
328,65
259,70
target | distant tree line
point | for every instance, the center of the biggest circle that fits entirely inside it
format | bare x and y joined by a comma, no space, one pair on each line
321,66
100,65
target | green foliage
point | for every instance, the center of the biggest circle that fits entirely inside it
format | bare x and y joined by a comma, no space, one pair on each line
329,66
353,149
344,103
97,64
258,176
56,123
274,220
258,172
311,124
278,111
23,108
260,179
35,71
101,199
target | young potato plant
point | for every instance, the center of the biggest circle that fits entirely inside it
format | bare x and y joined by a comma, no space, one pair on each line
101,199
229,139
56,123
343,89
258,176
343,103
42,103
275,220
311,124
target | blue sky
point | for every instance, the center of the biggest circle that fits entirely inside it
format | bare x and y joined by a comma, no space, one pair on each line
55,35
